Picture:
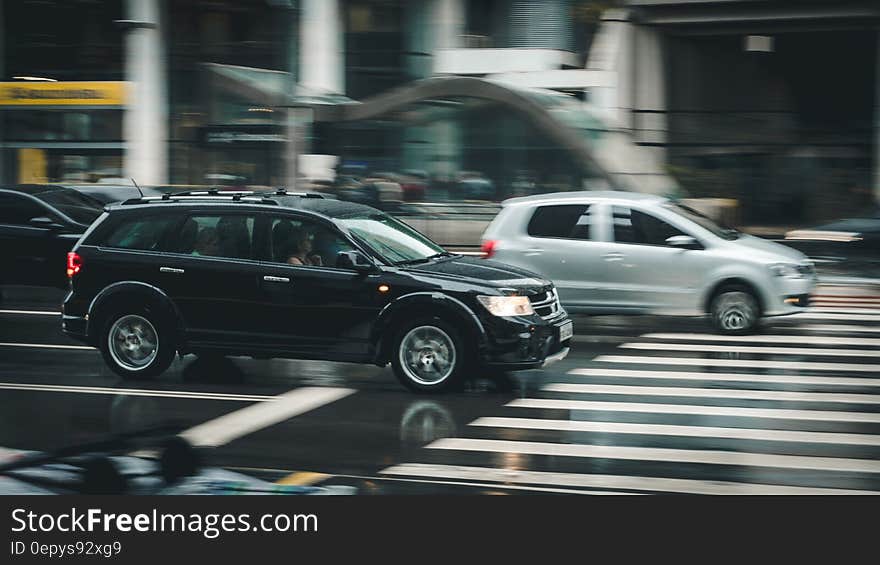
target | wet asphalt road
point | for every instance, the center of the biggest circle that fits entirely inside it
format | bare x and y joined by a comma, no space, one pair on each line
641,405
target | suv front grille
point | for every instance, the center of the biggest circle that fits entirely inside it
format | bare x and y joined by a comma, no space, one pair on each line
546,304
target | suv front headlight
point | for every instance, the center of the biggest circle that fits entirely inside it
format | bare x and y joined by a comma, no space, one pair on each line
785,270
507,305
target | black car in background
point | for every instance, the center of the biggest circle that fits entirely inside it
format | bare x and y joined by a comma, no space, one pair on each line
39,224
300,276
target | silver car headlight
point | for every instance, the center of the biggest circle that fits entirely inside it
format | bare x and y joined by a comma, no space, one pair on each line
507,305
786,270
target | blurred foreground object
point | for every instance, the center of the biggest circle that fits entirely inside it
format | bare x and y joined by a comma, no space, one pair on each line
108,467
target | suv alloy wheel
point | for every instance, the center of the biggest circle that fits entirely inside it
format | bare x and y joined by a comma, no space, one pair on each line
428,356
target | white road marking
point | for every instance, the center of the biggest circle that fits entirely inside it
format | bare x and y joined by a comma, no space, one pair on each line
756,363
228,427
46,346
697,410
736,458
31,312
729,377
837,310
588,480
835,316
833,328
755,434
760,349
802,339
135,392
688,392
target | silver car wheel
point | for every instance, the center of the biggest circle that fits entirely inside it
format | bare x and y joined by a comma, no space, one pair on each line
427,355
736,311
133,342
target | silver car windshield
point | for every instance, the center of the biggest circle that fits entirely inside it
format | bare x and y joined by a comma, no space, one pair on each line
703,221
395,241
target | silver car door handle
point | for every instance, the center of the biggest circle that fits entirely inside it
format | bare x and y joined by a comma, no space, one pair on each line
270,278
171,270
534,251
614,256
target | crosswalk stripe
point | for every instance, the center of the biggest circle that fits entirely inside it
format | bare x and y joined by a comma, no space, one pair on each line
729,377
587,480
669,455
701,347
689,392
697,410
836,316
678,430
700,362
765,338
833,328
838,310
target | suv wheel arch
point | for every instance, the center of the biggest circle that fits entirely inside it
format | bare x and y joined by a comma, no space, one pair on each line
424,304
118,294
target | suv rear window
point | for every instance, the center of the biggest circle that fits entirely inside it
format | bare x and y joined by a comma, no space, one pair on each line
566,221
143,233
224,235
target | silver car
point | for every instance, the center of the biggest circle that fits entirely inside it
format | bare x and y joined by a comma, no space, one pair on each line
622,252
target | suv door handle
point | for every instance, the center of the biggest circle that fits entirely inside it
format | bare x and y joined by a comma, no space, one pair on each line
171,270
534,251
270,278
613,256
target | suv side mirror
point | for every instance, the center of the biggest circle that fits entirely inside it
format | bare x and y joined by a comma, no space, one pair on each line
45,223
683,242
353,260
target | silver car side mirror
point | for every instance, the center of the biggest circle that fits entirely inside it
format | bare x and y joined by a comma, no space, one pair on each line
683,242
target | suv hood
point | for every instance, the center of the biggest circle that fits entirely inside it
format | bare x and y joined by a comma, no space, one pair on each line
771,250
484,272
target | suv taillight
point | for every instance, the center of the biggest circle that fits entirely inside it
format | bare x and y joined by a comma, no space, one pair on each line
488,248
74,264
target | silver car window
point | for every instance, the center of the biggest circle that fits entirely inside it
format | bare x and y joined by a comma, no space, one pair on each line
641,228
565,221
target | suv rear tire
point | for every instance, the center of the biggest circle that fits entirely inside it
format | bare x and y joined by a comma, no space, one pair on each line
136,344
735,311
429,355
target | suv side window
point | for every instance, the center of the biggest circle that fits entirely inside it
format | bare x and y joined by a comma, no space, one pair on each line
143,233
18,210
634,226
216,235
303,242
566,221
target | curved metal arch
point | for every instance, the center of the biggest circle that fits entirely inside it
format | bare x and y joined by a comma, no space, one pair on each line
520,101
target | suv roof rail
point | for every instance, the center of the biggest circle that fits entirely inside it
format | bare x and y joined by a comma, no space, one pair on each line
282,191
244,196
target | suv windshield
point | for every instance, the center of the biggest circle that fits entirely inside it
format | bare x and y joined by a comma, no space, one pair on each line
701,220
78,207
395,241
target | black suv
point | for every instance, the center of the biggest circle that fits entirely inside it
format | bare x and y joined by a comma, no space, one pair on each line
299,276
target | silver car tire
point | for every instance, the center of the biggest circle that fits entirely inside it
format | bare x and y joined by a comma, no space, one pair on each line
735,311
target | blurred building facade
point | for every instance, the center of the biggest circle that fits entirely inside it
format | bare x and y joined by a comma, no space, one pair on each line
771,102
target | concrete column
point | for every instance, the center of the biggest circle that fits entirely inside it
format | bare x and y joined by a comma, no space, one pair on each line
877,125
322,61
145,122
447,17
649,91
3,77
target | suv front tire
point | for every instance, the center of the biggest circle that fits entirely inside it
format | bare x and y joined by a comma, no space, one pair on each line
429,355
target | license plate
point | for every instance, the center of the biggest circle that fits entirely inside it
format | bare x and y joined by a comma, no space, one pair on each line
565,331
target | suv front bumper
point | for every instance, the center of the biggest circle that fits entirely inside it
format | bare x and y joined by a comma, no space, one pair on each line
524,343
